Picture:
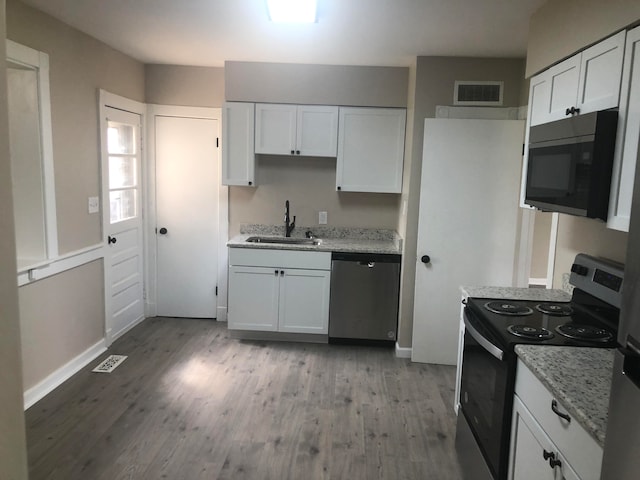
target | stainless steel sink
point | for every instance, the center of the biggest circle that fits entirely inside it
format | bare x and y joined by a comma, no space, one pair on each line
285,240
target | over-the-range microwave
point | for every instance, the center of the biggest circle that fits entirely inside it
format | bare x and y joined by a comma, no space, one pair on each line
569,164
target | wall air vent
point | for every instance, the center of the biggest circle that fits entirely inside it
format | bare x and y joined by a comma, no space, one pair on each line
478,93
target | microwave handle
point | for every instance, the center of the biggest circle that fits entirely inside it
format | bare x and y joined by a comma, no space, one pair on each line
484,343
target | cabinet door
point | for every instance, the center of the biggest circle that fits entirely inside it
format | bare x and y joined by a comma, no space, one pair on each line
275,129
317,131
529,445
253,298
563,84
600,74
370,150
624,163
238,158
304,301
539,99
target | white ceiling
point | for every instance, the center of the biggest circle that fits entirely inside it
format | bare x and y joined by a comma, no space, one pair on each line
348,32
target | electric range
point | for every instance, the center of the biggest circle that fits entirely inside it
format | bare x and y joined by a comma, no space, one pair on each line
493,327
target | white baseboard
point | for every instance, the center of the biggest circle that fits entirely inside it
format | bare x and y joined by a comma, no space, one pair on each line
62,374
221,314
403,352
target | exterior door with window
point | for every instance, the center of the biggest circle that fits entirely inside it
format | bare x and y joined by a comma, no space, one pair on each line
123,220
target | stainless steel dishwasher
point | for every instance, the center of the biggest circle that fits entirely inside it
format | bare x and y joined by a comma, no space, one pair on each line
364,298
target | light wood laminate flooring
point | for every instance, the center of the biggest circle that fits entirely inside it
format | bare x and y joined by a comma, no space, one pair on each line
191,403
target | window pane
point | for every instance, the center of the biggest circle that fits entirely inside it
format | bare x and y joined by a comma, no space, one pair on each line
122,172
121,138
122,205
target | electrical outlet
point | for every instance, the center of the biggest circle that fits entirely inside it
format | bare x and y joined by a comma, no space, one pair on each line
322,218
94,205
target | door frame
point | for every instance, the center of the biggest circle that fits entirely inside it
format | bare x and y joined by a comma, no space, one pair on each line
151,250
107,99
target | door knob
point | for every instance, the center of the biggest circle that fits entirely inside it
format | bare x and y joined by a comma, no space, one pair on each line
425,259
163,231
111,239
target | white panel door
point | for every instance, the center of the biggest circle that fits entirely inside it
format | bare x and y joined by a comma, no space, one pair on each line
304,301
468,223
122,192
187,183
539,99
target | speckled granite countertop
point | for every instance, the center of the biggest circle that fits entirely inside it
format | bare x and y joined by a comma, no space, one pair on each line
513,293
332,239
580,378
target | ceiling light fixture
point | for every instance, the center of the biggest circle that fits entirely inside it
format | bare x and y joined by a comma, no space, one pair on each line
292,11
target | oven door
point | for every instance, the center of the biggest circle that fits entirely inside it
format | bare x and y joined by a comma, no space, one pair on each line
486,395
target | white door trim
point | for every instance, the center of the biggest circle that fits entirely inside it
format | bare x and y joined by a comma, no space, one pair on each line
150,218
106,99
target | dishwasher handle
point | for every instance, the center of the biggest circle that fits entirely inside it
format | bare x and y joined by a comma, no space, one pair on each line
367,264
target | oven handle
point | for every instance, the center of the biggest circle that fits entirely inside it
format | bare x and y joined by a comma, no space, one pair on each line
484,343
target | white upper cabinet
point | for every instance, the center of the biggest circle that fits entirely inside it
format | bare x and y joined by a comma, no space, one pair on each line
624,162
600,75
587,82
305,130
238,158
370,149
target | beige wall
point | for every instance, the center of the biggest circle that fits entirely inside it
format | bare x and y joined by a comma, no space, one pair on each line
540,250
434,84
310,186
583,235
316,84
64,315
310,183
562,27
182,85
76,297
13,450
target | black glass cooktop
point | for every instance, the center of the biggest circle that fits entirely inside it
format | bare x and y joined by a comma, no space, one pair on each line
514,322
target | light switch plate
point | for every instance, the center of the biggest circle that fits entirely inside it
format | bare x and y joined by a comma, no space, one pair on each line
94,204
322,218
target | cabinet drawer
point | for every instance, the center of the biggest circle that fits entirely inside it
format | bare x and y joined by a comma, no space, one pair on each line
263,257
579,448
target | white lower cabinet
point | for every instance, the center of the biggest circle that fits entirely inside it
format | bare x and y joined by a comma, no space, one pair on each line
279,291
533,455
544,445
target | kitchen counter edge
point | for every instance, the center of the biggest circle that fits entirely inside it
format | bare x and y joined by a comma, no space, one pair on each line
516,293
580,378
326,245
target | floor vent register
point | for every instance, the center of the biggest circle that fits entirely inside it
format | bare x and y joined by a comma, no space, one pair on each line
110,363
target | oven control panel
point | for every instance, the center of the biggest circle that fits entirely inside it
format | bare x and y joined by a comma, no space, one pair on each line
599,277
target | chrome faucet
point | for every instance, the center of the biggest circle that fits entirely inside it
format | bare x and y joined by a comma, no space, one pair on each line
288,225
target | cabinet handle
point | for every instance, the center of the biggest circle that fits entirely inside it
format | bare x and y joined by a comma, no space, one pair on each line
554,407
250,183
276,272
282,273
339,188
297,152
547,455
572,111
554,462
292,152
